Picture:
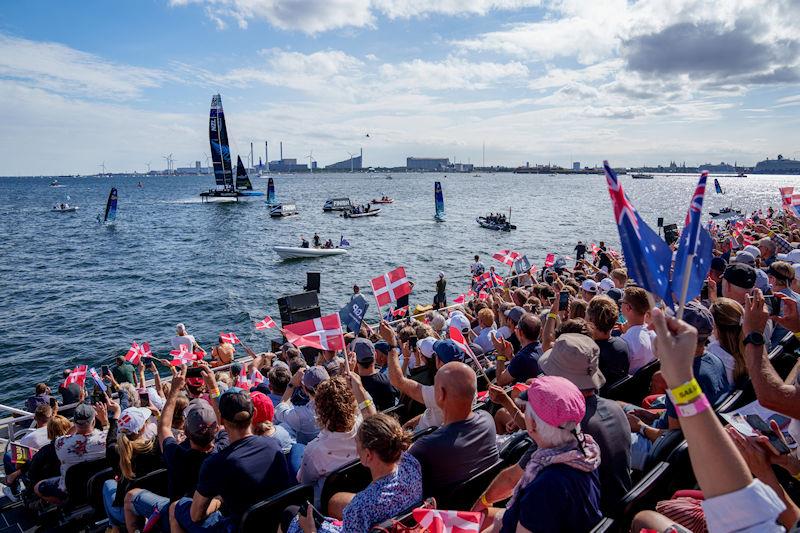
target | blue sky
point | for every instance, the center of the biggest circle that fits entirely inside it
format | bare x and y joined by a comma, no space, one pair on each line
636,82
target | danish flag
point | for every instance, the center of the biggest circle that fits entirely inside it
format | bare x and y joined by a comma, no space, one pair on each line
267,323
78,375
182,356
491,279
229,337
595,249
323,333
134,354
507,257
400,311
241,381
391,286
438,521
256,377
460,299
786,195
550,260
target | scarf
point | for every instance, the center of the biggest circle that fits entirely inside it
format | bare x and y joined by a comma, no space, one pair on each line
569,454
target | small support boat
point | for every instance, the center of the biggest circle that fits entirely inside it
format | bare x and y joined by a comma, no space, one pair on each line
55,183
362,214
725,213
64,208
642,176
337,204
484,222
383,200
283,210
298,252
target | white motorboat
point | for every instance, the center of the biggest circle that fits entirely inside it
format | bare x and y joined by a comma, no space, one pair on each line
353,214
642,176
298,252
64,208
282,210
726,213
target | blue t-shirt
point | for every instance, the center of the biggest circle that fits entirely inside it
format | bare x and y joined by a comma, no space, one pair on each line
710,374
525,363
560,498
247,471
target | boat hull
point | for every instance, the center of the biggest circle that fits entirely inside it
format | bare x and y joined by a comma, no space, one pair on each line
297,252
372,213
67,210
495,227
382,202
229,196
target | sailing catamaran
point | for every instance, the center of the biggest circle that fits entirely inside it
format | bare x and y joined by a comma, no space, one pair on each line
232,190
439,201
271,192
111,208
717,186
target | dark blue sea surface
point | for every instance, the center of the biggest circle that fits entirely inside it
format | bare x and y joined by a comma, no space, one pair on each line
74,291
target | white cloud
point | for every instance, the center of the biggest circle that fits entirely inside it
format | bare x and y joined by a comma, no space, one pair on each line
453,73
58,68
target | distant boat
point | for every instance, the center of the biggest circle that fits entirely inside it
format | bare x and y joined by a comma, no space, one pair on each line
642,176
383,200
64,208
362,214
298,252
741,175
232,189
55,183
111,208
725,213
271,192
717,186
496,226
337,204
438,199
283,210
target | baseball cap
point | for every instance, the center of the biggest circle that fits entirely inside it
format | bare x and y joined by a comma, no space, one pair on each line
199,418
718,264
477,350
741,275
426,346
364,349
447,351
752,250
781,270
133,419
791,257
458,321
557,401
615,294
84,414
744,258
575,357
382,346
697,315
515,313
606,285
313,376
235,405
589,285
264,409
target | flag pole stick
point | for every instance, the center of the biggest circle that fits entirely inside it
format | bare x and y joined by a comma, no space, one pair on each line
687,269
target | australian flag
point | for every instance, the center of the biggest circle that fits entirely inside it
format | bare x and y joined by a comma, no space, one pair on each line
647,256
696,241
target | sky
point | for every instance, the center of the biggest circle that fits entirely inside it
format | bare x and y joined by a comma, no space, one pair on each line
636,82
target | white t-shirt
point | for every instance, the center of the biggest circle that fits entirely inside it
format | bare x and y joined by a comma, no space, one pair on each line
36,438
433,416
503,332
484,339
187,340
727,359
640,346
74,449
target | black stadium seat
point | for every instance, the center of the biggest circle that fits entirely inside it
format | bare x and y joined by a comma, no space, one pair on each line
76,478
635,389
406,518
94,490
352,477
156,482
463,495
645,494
265,516
606,525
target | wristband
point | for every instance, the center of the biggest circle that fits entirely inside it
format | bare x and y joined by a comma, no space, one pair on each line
484,501
366,404
214,393
501,358
552,315
797,335
686,393
694,408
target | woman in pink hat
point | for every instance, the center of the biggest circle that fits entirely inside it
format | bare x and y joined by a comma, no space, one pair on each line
559,490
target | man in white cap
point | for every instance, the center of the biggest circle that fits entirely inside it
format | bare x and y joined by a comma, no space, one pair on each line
182,337
588,290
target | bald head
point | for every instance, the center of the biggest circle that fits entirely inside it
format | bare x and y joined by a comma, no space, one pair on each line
456,385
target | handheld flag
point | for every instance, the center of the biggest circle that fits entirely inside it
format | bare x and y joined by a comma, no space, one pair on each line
352,314
182,356
647,256
549,260
324,333
229,337
458,337
267,323
522,265
438,521
134,354
391,286
241,380
152,520
460,299
256,377
78,375
693,260
97,379
144,349
507,257
400,312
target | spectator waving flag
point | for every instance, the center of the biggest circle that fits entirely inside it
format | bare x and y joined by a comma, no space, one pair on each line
438,521
391,286
97,379
693,260
491,279
323,333
229,337
78,375
134,354
182,356
507,257
647,257
267,323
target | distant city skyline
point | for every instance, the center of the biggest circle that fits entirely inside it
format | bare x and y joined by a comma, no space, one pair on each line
640,83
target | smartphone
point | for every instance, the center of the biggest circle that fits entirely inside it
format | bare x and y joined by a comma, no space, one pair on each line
775,441
318,517
704,291
773,304
104,371
144,398
412,341
563,300
53,403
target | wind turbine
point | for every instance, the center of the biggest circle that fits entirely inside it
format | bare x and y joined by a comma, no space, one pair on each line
351,161
168,159
310,159
103,166
148,167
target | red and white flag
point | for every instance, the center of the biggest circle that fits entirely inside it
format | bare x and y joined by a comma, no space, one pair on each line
182,356
391,286
458,337
241,380
144,349
323,333
550,260
134,354
507,257
595,249
483,295
491,279
438,521
400,311
786,195
229,337
460,299
78,375
256,377
267,323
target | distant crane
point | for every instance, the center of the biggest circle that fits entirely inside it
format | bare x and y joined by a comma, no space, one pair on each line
351,161
169,160
310,159
103,166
